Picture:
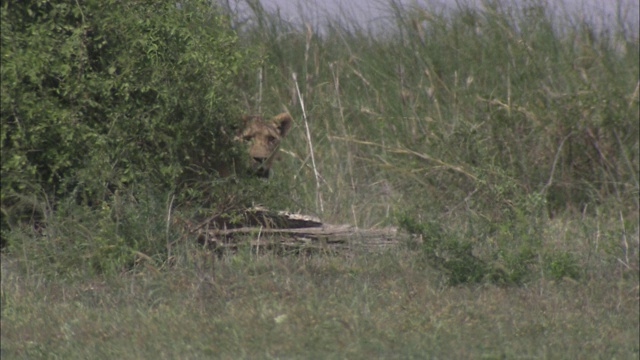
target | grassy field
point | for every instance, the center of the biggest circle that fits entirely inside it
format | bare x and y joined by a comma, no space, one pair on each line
361,306
506,139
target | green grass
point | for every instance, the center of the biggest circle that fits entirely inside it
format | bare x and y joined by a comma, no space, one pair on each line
389,305
474,111
507,139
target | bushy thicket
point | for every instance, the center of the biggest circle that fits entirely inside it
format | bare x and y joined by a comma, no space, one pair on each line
107,96
103,93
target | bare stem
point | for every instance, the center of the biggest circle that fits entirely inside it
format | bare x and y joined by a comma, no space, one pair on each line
319,204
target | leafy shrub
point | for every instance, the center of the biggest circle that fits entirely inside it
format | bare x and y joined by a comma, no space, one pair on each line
561,264
97,95
447,253
510,254
107,107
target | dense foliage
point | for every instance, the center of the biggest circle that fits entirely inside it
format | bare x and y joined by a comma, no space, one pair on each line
107,106
98,94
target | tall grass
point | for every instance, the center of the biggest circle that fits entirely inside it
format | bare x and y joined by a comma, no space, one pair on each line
467,110
492,122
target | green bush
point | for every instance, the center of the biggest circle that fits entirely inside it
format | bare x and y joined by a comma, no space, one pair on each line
508,253
561,265
446,252
101,94
108,108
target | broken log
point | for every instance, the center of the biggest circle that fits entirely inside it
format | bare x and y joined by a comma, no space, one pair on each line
271,229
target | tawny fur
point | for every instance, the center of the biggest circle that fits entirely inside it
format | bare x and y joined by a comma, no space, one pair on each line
263,138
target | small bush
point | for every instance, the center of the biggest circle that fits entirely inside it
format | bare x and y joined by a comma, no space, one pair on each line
447,253
507,257
561,265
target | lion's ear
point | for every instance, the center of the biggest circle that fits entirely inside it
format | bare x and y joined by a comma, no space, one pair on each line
283,123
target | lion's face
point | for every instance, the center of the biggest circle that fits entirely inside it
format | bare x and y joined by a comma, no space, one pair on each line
263,138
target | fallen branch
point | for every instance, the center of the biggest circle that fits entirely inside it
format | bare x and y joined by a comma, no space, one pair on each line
298,232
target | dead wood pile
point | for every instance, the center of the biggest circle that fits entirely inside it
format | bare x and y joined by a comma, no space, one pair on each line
278,229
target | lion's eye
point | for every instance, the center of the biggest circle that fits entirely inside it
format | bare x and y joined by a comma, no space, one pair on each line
247,138
271,139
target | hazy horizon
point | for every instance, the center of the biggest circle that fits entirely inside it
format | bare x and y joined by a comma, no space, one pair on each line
376,14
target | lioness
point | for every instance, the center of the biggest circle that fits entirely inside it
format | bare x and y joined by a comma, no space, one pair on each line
263,137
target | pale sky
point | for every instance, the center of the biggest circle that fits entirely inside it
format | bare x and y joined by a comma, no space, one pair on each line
376,12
